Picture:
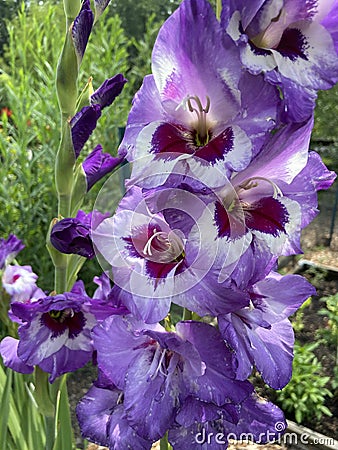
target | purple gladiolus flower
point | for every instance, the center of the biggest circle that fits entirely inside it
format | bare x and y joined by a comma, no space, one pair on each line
196,110
9,248
81,29
271,200
56,333
73,235
260,334
158,370
289,41
158,257
19,282
206,426
98,164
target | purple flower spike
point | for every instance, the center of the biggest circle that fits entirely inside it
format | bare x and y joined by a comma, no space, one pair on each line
98,164
82,125
72,235
9,248
82,28
108,91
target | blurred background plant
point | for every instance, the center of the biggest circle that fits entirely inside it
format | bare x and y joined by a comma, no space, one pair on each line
305,395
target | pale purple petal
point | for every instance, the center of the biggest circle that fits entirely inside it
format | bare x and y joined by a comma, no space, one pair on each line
115,360
218,384
150,404
8,351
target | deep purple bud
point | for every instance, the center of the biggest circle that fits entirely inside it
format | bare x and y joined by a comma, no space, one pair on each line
83,124
108,91
73,234
9,248
82,28
98,164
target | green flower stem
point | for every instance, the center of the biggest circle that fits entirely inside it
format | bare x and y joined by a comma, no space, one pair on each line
64,170
61,280
50,432
42,394
218,9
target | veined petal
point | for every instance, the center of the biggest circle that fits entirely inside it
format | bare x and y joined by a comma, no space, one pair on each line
82,28
108,91
283,156
98,164
82,125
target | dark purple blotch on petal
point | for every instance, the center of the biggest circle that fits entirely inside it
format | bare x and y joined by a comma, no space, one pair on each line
218,147
293,44
228,226
82,125
267,215
98,164
82,28
108,91
59,321
171,139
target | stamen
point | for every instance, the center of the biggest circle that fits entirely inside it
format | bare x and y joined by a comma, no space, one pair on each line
250,184
195,106
158,234
156,365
